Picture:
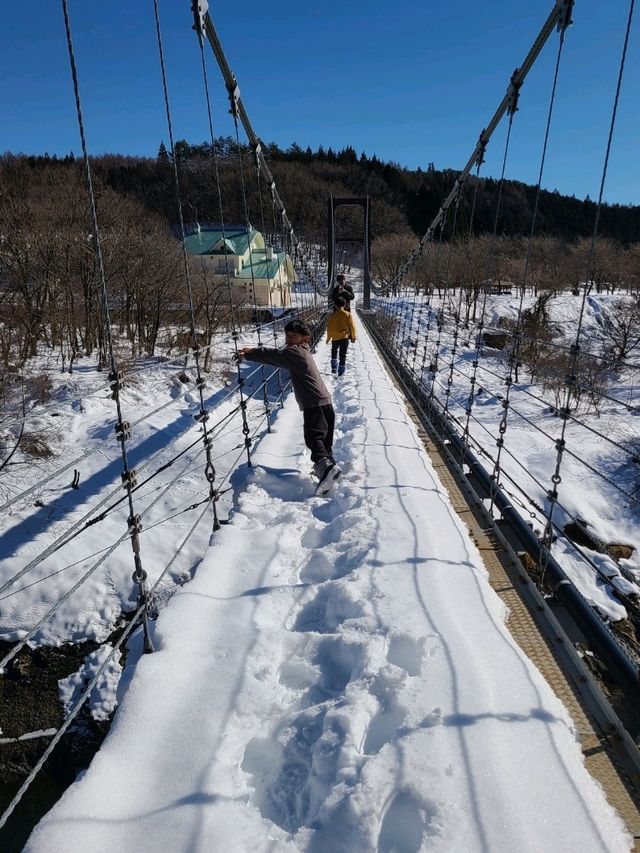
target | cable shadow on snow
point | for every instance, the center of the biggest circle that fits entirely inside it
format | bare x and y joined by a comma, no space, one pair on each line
256,595
197,798
521,659
66,503
463,719
469,774
248,593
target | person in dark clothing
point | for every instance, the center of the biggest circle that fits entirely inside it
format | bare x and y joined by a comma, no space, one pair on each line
310,392
342,291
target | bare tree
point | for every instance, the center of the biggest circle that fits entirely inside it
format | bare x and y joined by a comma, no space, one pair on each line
388,254
212,306
621,329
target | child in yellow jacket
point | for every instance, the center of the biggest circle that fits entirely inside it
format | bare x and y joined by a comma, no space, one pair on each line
340,330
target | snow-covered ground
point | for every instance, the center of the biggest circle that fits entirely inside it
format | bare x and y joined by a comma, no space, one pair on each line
78,422
161,410
600,483
337,677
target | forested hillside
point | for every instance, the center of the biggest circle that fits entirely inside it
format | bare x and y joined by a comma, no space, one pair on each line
403,200
49,290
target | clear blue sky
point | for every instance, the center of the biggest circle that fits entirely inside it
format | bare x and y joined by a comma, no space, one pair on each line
409,80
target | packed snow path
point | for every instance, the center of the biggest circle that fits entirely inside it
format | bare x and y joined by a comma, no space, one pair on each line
337,677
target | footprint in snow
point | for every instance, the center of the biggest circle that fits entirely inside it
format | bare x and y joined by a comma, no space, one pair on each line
327,611
333,565
383,729
338,661
406,653
404,824
280,767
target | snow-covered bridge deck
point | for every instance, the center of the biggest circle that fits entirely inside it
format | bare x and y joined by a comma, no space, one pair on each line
338,677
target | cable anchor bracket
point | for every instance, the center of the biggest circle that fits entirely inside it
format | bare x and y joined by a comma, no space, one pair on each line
116,382
513,93
122,430
234,96
481,148
129,479
199,9
565,10
257,151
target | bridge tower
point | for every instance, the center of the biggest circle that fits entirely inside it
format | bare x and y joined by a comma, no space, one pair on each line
335,240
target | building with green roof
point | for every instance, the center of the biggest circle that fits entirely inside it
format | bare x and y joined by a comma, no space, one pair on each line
257,274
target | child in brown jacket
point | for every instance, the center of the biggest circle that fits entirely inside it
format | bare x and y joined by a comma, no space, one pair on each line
340,330
311,394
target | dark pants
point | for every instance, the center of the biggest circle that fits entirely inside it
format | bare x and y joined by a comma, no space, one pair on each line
339,347
318,431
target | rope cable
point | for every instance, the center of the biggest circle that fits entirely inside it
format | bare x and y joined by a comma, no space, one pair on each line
556,478
92,683
77,528
490,256
10,655
514,356
203,415
122,427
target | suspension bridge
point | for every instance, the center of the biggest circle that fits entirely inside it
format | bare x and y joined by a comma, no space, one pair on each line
443,655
